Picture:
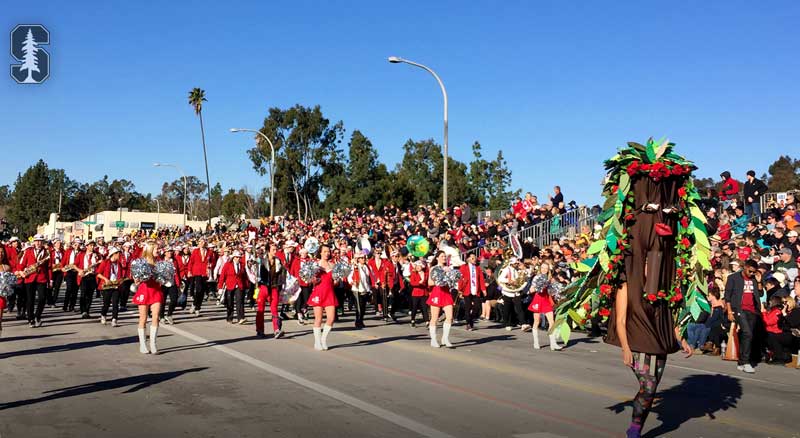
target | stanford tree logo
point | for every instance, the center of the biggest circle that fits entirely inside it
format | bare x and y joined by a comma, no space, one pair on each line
33,61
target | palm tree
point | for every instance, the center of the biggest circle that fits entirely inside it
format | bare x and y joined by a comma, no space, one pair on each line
196,98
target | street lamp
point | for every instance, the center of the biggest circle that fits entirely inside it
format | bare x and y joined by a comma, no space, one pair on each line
184,185
397,60
271,167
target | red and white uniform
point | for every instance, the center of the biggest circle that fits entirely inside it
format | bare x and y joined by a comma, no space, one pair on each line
472,282
30,257
541,302
200,262
233,276
323,295
110,270
148,293
419,283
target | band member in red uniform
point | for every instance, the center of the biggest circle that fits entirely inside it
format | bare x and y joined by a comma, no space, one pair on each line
6,265
148,297
173,290
57,276
199,267
323,299
272,277
360,286
37,258
109,277
381,277
440,299
419,292
472,287
185,275
125,259
233,279
71,260
87,267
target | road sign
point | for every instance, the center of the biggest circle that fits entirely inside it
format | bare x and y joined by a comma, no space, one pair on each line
120,224
89,222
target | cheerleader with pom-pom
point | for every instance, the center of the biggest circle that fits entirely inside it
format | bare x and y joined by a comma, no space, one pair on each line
148,296
440,299
6,268
542,303
323,299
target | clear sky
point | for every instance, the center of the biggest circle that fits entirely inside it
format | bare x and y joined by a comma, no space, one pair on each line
556,85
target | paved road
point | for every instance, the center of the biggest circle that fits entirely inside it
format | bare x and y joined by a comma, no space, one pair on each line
74,378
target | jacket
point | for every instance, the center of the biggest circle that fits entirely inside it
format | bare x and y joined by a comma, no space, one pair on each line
754,189
229,279
29,258
198,265
734,290
729,190
464,284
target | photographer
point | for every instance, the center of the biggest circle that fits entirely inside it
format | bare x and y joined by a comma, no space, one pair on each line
779,339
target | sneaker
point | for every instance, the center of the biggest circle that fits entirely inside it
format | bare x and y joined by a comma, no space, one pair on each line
413,324
242,321
114,323
508,328
748,369
84,315
197,313
740,367
32,325
170,321
279,334
38,323
102,320
526,328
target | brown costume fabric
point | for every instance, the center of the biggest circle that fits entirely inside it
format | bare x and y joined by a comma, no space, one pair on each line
649,326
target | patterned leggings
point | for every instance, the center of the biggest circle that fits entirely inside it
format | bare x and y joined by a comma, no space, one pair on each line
649,379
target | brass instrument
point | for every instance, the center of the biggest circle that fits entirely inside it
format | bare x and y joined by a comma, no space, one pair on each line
70,267
34,267
112,284
90,270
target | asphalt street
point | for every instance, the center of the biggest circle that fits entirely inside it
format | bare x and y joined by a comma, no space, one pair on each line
75,377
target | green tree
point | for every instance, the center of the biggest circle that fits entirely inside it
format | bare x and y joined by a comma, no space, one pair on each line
783,174
500,195
306,148
196,98
31,202
233,205
422,166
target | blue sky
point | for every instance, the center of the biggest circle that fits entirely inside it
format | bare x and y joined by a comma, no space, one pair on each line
558,86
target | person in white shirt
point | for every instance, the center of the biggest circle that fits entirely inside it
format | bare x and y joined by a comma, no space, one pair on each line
360,286
512,286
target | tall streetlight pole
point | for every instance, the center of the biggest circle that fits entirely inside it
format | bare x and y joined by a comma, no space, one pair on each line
184,185
271,167
397,60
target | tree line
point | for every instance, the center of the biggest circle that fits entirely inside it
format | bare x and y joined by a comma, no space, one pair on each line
315,173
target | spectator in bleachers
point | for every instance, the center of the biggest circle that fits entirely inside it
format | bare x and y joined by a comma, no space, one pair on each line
754,188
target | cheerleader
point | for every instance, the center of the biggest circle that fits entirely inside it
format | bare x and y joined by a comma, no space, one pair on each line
323,298
542,303
6,265
440,299
419,292
148,296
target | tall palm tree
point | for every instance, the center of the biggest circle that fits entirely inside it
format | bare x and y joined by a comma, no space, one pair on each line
196,98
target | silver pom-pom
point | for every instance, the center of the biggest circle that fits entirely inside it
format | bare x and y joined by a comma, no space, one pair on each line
439,276
452,277
164,272
7,282
539,283
141,271
341,270
308,270
556,291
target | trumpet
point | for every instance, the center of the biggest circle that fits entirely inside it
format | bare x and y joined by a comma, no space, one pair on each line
111,284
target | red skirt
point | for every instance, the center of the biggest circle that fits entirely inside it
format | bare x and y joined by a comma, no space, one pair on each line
148,293
541,303
440,297
323,295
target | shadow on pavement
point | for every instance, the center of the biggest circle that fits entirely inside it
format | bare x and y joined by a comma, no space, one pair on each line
696,396
203,345
73,346
29,337
479,341
377,341
137,382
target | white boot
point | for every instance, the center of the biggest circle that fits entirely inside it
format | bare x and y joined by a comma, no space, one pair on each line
446,335
536,339
432,330
153,337
142,342
324,341
553,343
317,336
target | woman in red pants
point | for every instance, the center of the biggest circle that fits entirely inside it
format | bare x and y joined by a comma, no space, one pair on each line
273,277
